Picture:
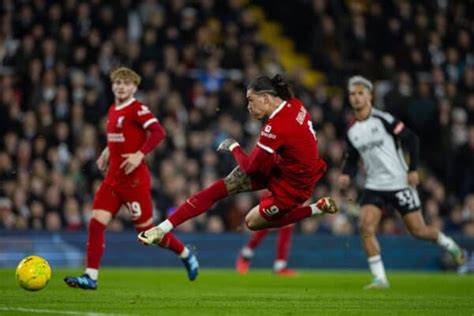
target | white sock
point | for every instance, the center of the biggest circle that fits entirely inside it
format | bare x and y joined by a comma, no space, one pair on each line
93,273
184,253
166,226
247,253
376,267
279,265
447,243
315,211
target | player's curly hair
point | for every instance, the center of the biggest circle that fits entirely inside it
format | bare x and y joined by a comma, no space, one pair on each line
275,86
125,73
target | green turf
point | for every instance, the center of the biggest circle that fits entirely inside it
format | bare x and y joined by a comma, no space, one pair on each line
223,292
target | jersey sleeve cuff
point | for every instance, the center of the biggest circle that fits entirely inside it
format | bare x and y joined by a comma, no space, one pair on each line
233,146
149,122
266,148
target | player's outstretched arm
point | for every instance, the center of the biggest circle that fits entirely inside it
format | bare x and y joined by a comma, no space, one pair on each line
248,164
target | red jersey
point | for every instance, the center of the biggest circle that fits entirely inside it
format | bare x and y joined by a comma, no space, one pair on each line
126,133
288,133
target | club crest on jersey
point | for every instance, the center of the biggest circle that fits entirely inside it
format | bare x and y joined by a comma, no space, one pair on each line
120,121
301,115
267,129
143,111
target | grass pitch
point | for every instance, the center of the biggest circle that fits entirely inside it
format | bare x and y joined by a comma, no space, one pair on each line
223,292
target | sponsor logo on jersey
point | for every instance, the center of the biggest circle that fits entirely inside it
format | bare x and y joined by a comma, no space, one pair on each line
120,121
269,135
143,111
371,145
115,137
268,128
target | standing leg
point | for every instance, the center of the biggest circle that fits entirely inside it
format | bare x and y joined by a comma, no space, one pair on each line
106,203
370,216
94,251
96,241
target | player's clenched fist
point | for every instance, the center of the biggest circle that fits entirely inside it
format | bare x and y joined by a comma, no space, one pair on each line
132,161
227,144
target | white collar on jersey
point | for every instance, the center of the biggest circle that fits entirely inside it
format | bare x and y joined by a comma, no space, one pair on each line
125,104
278,109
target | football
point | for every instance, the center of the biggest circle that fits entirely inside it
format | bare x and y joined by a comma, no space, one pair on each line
33,273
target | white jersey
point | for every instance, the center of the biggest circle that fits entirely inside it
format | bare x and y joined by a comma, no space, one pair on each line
374,140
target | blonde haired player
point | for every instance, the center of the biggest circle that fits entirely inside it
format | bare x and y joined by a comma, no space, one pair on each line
132,132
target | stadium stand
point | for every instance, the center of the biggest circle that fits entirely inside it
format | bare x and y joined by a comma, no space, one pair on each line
196,58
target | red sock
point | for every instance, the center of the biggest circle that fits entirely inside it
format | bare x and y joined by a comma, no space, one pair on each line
256,238
95,243
172,243
199,203
294,216
284,242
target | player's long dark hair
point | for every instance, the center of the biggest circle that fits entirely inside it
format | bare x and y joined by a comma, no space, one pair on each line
275,86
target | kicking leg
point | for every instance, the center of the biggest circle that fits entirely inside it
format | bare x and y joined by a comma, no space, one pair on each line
417,227
234,183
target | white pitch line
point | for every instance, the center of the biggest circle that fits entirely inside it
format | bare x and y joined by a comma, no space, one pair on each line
50,311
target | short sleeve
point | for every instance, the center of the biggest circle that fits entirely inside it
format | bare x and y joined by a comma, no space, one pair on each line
144,117
271,138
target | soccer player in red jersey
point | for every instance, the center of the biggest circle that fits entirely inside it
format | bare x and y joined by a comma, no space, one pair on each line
285,161
280,265
132,132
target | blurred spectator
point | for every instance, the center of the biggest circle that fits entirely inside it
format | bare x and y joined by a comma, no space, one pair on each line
195,57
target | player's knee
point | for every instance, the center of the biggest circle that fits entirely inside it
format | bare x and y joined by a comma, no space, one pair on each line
252,225
417,232
102,216
366,230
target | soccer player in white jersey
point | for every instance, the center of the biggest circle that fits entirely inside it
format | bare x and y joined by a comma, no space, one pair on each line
376,137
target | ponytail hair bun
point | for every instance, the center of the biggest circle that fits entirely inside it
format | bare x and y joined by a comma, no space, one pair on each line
275,86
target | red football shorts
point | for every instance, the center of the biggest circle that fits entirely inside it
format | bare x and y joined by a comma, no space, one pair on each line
137,201
282,198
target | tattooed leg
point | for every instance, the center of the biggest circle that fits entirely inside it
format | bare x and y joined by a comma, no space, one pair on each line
237,181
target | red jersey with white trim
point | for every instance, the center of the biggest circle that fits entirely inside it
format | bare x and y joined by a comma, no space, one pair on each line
126,134
289,134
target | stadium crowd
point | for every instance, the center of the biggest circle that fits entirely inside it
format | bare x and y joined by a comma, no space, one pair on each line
196,58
